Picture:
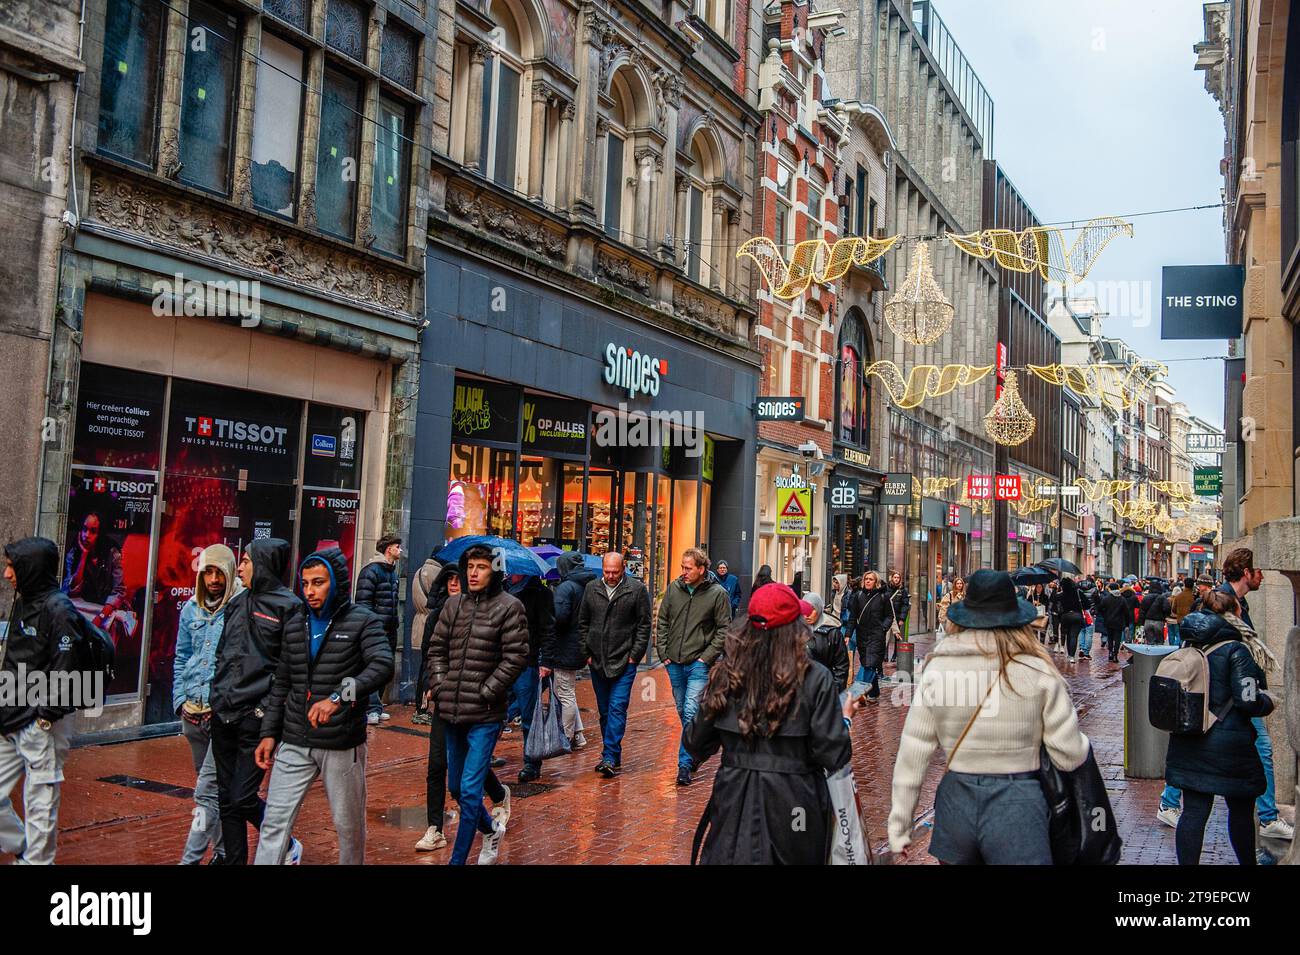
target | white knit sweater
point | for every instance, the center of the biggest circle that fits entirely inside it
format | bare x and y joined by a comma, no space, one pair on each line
1005,737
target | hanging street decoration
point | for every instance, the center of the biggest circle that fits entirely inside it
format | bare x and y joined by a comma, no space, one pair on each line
813,260
1009,422
1042,249
1113,385
919,312
923,381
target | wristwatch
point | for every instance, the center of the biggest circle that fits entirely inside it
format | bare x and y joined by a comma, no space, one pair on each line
336,699
45,725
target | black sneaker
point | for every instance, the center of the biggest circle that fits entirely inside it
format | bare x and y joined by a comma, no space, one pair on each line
606,770
683,776
527,775
498,762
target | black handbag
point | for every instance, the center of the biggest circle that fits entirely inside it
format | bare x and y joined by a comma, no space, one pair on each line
1081,823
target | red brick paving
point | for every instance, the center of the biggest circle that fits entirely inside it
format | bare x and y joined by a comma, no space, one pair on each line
575,817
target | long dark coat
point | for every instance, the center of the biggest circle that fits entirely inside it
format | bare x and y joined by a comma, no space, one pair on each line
770,803
870,620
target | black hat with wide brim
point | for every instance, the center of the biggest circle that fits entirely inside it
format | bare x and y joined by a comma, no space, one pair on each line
991,603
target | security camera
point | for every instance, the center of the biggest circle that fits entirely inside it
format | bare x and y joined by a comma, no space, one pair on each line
809,449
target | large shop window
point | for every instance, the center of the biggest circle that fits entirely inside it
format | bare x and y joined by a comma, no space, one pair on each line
280,90
128,85
392,152
338,155
231,467
208,97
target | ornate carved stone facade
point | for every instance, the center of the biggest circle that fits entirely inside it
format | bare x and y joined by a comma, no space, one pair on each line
191,227
481,213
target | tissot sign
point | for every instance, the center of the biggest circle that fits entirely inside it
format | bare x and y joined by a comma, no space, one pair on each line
1201,301
628,369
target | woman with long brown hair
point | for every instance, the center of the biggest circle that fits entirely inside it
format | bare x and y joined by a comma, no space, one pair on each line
989,695
777,717
957,593
871,618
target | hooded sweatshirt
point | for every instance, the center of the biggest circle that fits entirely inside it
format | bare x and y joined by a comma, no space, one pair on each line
199,632
43,626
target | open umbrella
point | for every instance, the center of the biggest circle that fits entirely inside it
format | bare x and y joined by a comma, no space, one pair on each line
547,552
1028,576
1059,565
518,558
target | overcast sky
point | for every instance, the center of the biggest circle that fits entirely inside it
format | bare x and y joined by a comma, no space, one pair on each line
1099,111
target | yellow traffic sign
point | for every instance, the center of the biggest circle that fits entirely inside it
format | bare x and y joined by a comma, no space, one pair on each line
793,511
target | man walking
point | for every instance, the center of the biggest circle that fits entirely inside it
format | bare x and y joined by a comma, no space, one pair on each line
377,592
478,647
539,610
614,633
561,657
43,628
731,584
197,637
248,656
692,625
335,654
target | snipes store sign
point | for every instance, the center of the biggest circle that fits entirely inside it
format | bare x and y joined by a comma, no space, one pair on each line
637,373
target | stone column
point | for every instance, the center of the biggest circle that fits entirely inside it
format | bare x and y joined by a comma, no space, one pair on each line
643,227
596,32
679,227
565,161
668,86
733,243
601,170
474,146
537,145
717,245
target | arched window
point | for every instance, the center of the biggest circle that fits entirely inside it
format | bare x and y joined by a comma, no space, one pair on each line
620,162
503,71
853,390
700,253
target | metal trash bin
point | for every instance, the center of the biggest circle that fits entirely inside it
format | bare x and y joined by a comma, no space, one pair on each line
1144,745
904,660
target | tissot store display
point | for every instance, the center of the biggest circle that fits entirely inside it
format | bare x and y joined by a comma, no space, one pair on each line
151,489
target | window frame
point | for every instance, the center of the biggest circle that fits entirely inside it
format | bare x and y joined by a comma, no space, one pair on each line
160,42
295,43
232,109
492,65
337,68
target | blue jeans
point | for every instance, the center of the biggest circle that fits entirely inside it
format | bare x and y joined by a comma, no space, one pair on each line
374,704
688,681
612,698
1085,640
1174,639
1265,805
469,757
525,687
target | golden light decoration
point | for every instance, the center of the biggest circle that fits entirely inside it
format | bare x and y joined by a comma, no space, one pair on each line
1140,511
1096,490
813,260
924,381
1180,491
1009,422
919,312
1113,385
1042,248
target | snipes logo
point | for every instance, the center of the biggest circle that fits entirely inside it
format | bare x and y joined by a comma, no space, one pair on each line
77,908
638,373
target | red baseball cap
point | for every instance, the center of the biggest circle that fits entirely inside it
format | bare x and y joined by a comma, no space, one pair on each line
776,605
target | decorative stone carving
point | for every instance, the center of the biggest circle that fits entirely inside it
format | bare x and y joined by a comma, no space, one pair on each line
506,223
478,52
698,310
668,93
309,206
620,272
169,154
568,111
191,227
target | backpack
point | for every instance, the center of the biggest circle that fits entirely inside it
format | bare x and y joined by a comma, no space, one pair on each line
95,653
1178,698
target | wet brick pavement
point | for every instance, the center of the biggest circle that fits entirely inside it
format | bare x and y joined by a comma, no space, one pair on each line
128,803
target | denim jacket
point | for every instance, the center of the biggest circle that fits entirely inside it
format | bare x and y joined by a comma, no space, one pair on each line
196,653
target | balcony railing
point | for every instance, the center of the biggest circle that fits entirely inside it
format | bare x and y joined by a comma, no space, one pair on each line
971,93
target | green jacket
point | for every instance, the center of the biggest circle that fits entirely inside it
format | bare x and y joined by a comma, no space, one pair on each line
692,626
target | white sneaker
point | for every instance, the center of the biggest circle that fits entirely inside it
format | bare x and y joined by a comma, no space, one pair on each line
492,844
1278,829
372,719
431,841
579,742
385,716
294,855
501,811
1170,817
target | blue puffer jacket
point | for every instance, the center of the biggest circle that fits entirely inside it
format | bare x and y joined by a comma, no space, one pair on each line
196,654
563,651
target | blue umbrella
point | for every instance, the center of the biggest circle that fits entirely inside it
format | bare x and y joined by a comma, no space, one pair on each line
518,558
547,551
589,561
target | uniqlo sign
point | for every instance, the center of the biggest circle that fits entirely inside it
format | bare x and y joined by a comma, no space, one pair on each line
979,487
954,515
1008,487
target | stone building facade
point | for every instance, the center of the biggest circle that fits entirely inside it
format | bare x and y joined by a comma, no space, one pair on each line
239,308
592,177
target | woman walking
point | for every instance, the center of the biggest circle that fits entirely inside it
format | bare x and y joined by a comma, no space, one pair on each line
900,605
871,619
989,808
1223,762
777,717
957,594
1071,612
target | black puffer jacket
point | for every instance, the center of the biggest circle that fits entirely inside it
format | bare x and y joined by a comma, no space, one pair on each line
613,632
1223,761
354,660
377,592
478,647
1155,607
900,603
257,618
827,647
564,650
870,617
539,607
42,616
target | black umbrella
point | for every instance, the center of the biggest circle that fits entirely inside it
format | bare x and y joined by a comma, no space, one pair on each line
1059,565
1028,576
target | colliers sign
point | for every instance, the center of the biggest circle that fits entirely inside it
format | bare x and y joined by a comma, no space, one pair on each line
637,373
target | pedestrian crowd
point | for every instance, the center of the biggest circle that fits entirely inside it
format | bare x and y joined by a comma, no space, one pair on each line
280,682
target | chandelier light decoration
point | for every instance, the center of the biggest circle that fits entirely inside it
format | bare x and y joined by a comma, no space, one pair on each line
1042,249
1009,422
924,381
813,260
919,312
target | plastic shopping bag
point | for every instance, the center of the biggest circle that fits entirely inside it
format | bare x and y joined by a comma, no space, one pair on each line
546,737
